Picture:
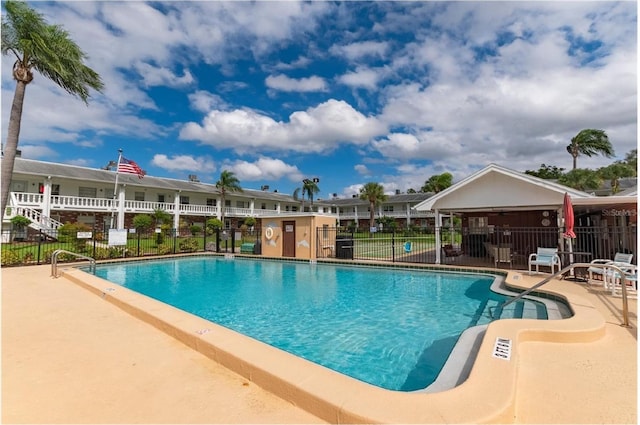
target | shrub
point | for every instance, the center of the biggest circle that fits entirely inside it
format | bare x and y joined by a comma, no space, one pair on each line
68,232
142,222
101,254
212,225
195,230
164,249
28,257
10,258
189,245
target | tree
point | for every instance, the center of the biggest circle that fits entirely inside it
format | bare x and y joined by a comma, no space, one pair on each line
437,183
614,173
548,172
581,179
631,159
590,142
374,193
309,189
49,50
142,222
228,183
160,216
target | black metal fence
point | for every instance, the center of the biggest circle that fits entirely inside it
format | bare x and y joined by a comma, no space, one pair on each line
505,247
29,246
490,246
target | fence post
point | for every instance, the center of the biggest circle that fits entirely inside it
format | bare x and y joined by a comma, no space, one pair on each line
40,236
175,239
393,245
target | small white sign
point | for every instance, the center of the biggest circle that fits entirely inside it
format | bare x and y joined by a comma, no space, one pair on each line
84,235
288,228
117,237
502,349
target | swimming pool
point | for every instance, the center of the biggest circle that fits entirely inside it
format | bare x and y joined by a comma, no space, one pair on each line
392,328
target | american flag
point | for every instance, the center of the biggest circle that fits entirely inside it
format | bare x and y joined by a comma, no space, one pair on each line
128,166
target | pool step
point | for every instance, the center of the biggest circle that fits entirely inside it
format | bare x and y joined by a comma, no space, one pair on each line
519,310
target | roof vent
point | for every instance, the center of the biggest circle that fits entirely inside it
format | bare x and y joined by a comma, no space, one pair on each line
193,178
397,191
264,187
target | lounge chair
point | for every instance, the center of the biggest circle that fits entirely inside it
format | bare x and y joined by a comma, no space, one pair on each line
501,255
451,251
620,259
614,280
547,257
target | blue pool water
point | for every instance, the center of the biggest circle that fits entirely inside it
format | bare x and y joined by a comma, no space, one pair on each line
393,328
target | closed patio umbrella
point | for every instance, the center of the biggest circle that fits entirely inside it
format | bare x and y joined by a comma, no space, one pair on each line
569,221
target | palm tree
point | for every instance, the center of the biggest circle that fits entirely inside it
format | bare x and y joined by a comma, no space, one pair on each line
309,189
228,183
374,193
48,50
590,142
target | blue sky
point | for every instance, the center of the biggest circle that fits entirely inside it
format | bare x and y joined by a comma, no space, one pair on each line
349,92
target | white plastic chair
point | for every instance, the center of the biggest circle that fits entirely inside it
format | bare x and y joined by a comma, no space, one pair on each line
613,280
620,259
501,255
547,257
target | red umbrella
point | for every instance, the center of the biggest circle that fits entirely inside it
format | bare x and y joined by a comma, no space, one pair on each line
569,219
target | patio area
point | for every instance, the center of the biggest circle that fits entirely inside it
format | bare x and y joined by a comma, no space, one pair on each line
70,357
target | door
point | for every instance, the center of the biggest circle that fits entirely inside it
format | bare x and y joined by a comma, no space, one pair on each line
288,238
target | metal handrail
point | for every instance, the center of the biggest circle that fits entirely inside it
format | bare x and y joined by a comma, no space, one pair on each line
622,273
54,261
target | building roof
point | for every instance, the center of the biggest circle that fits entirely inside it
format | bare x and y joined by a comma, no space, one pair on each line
498,187
74,172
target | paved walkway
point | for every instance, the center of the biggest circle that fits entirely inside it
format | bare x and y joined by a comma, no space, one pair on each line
69,357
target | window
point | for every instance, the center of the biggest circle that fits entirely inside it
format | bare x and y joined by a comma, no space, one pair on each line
263,206
478,225
108,193
87,192
161,197
211,202
387,208
138,196
19,186
240,204
55,189
184,200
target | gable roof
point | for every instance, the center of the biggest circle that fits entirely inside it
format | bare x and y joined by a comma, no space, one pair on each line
496,186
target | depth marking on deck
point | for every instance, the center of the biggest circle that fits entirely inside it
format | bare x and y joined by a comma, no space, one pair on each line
502,349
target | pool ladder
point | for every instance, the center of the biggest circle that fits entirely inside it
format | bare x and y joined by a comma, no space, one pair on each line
54,260
625,302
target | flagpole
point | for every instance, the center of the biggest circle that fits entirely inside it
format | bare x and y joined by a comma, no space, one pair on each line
115,189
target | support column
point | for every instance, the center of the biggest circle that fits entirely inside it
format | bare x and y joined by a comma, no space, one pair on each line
121,197
45,218
176,211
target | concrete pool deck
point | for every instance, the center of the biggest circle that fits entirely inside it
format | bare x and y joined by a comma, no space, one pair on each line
70,357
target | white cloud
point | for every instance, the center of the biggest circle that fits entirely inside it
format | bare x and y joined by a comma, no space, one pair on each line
362,169
318,129
205,101
362,77
184,163
264,168
284,83
361,50
161,76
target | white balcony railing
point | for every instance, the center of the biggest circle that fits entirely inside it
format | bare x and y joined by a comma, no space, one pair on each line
77,203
